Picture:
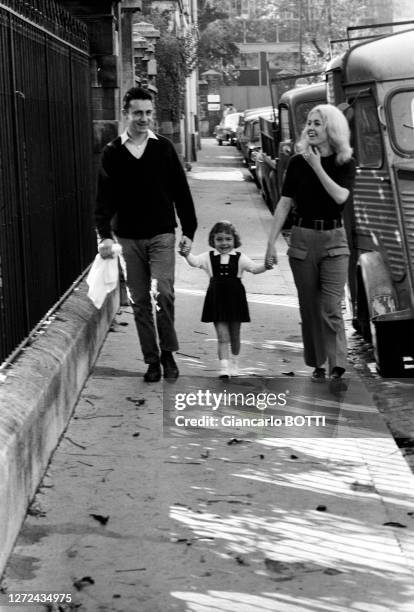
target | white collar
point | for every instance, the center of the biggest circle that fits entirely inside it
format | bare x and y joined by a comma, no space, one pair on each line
125,136
232,252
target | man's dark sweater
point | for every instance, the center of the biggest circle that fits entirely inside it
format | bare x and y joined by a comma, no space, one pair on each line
139,195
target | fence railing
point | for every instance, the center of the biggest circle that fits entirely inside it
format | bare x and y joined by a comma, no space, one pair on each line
46,174
53,17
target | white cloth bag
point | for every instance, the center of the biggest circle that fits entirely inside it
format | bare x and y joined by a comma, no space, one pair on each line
103,276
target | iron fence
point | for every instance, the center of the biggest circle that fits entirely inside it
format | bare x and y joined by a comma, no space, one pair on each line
46,173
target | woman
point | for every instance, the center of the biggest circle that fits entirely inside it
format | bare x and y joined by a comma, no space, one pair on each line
318,184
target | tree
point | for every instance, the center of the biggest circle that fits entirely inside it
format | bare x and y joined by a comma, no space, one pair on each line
312,23
209,12
176,57
217,48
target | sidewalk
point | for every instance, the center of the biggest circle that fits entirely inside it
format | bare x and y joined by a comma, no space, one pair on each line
129,520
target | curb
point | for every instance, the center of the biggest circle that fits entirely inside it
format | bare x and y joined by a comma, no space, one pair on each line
37,399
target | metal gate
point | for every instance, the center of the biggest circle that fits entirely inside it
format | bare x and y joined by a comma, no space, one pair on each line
46,174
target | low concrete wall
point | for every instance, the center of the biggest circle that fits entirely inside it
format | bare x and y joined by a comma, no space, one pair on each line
37,399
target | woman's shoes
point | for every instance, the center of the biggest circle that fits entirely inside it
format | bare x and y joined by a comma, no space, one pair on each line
318,375
336,382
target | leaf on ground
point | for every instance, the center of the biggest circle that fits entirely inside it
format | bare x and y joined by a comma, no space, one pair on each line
363,487
275,566
100,518
138,401
331,571
83,582
394,524
240,560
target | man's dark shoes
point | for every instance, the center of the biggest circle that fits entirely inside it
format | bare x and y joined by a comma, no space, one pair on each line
318,375
153,374
336,382
169,365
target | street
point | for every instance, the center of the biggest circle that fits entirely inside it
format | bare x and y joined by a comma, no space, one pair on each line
131,519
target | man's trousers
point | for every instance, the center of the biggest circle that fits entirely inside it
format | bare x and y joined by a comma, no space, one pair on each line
150,266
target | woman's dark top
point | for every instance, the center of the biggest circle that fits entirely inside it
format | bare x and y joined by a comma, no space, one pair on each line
311,199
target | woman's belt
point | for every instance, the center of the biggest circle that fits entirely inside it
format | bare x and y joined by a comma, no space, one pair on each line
317,224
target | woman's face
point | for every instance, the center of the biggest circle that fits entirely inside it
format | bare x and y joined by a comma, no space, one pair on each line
315,129
223,242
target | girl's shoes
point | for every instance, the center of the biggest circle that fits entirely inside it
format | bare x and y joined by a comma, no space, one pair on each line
229,368
224,371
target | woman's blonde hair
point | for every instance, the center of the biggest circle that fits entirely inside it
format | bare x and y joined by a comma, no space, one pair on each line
337,130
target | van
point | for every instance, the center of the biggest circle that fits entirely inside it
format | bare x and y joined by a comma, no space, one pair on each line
278,139
373,83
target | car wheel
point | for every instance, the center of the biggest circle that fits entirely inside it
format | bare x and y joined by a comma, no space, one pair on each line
389,360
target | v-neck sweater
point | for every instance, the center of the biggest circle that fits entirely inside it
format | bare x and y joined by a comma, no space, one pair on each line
138,198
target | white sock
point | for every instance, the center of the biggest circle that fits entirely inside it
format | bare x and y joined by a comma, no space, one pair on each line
224,367
234,365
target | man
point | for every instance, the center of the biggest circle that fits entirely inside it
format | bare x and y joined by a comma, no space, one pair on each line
140,187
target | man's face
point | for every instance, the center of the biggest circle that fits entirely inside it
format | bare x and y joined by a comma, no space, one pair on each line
139,117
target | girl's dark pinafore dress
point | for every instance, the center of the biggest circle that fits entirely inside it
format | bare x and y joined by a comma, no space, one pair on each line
226,296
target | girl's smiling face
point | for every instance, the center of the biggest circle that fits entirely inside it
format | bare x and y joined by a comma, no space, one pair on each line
223,242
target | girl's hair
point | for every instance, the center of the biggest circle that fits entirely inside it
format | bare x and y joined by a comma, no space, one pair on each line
227,228
337,130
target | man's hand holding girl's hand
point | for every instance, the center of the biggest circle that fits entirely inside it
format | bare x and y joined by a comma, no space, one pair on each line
184,246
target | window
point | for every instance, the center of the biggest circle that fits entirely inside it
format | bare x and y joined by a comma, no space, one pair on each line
367,133
249,60
284,124
255,131
401,112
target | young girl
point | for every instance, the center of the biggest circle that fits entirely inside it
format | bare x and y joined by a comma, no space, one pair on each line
225,303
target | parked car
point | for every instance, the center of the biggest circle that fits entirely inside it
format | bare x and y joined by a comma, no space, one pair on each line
244,116
249,138
226,130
